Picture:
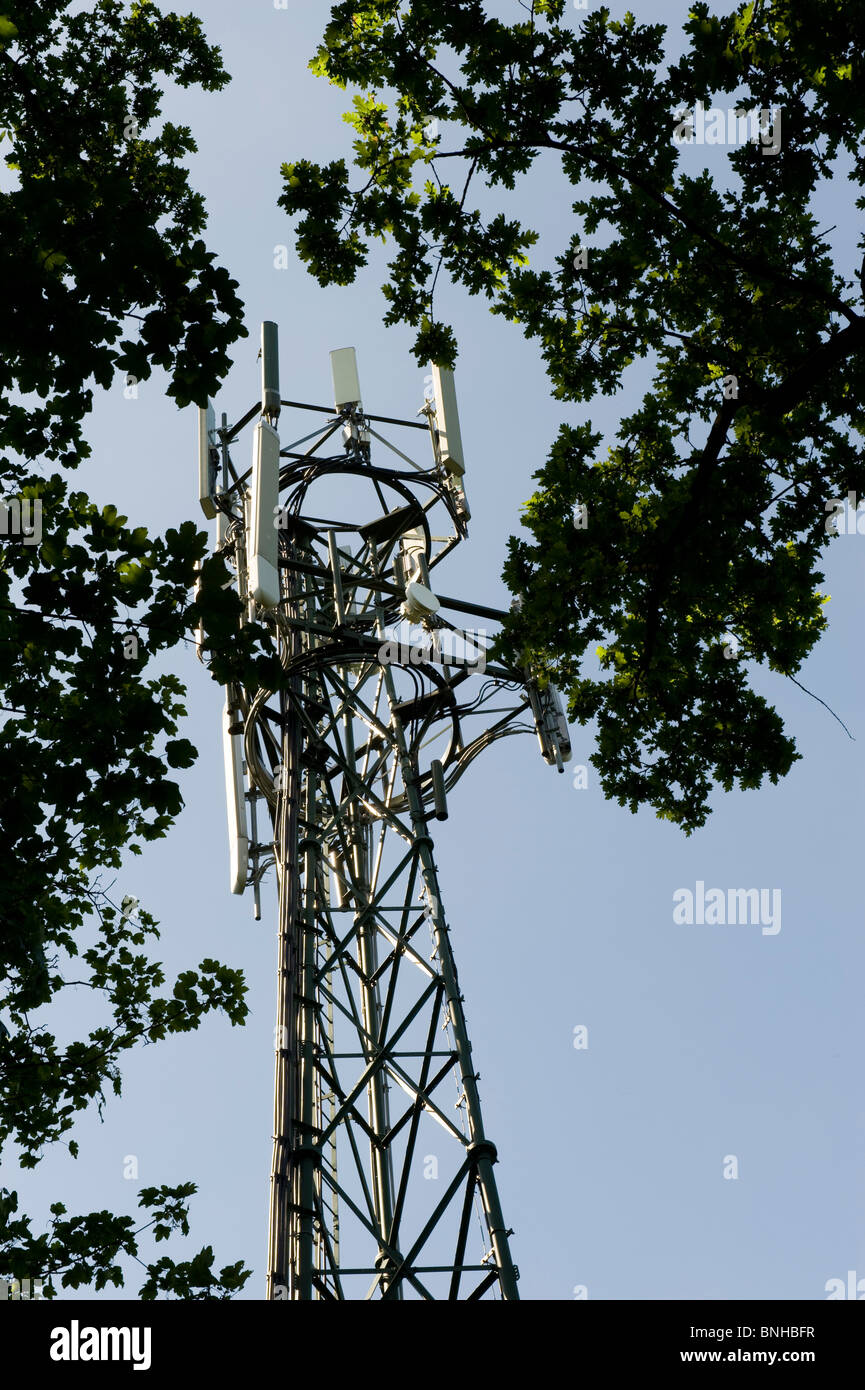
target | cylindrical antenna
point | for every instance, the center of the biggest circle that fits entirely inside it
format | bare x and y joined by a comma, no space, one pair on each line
438,782
222,519
422,568
256,886
270,371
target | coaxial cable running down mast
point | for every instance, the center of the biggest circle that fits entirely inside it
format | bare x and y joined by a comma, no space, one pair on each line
382,1179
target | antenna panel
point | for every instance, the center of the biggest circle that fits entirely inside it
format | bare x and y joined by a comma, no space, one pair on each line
562,730
238,841
208,459
263,537
448,421
346,383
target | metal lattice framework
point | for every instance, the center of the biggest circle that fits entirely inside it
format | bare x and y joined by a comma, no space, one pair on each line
382,1181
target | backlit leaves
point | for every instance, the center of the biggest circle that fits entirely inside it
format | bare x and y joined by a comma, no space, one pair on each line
706,511
100,226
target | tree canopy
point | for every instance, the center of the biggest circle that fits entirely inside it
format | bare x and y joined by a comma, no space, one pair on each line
660,563
105,276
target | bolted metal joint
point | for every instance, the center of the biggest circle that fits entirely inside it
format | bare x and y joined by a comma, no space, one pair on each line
480,1149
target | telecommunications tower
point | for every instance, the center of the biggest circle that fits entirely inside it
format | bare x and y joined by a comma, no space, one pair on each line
382,1178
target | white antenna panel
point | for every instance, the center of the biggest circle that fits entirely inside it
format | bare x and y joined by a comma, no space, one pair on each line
263,537
238,842
448,421
199,631
346,383
206,471
561,724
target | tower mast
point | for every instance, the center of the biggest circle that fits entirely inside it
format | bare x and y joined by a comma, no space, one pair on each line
382,1175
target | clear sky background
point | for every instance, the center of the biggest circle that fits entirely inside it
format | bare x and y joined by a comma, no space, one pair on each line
704,1041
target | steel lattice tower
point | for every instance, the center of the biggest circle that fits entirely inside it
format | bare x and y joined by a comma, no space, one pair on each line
382,1179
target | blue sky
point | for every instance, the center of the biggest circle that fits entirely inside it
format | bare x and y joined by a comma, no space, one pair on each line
704,1041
